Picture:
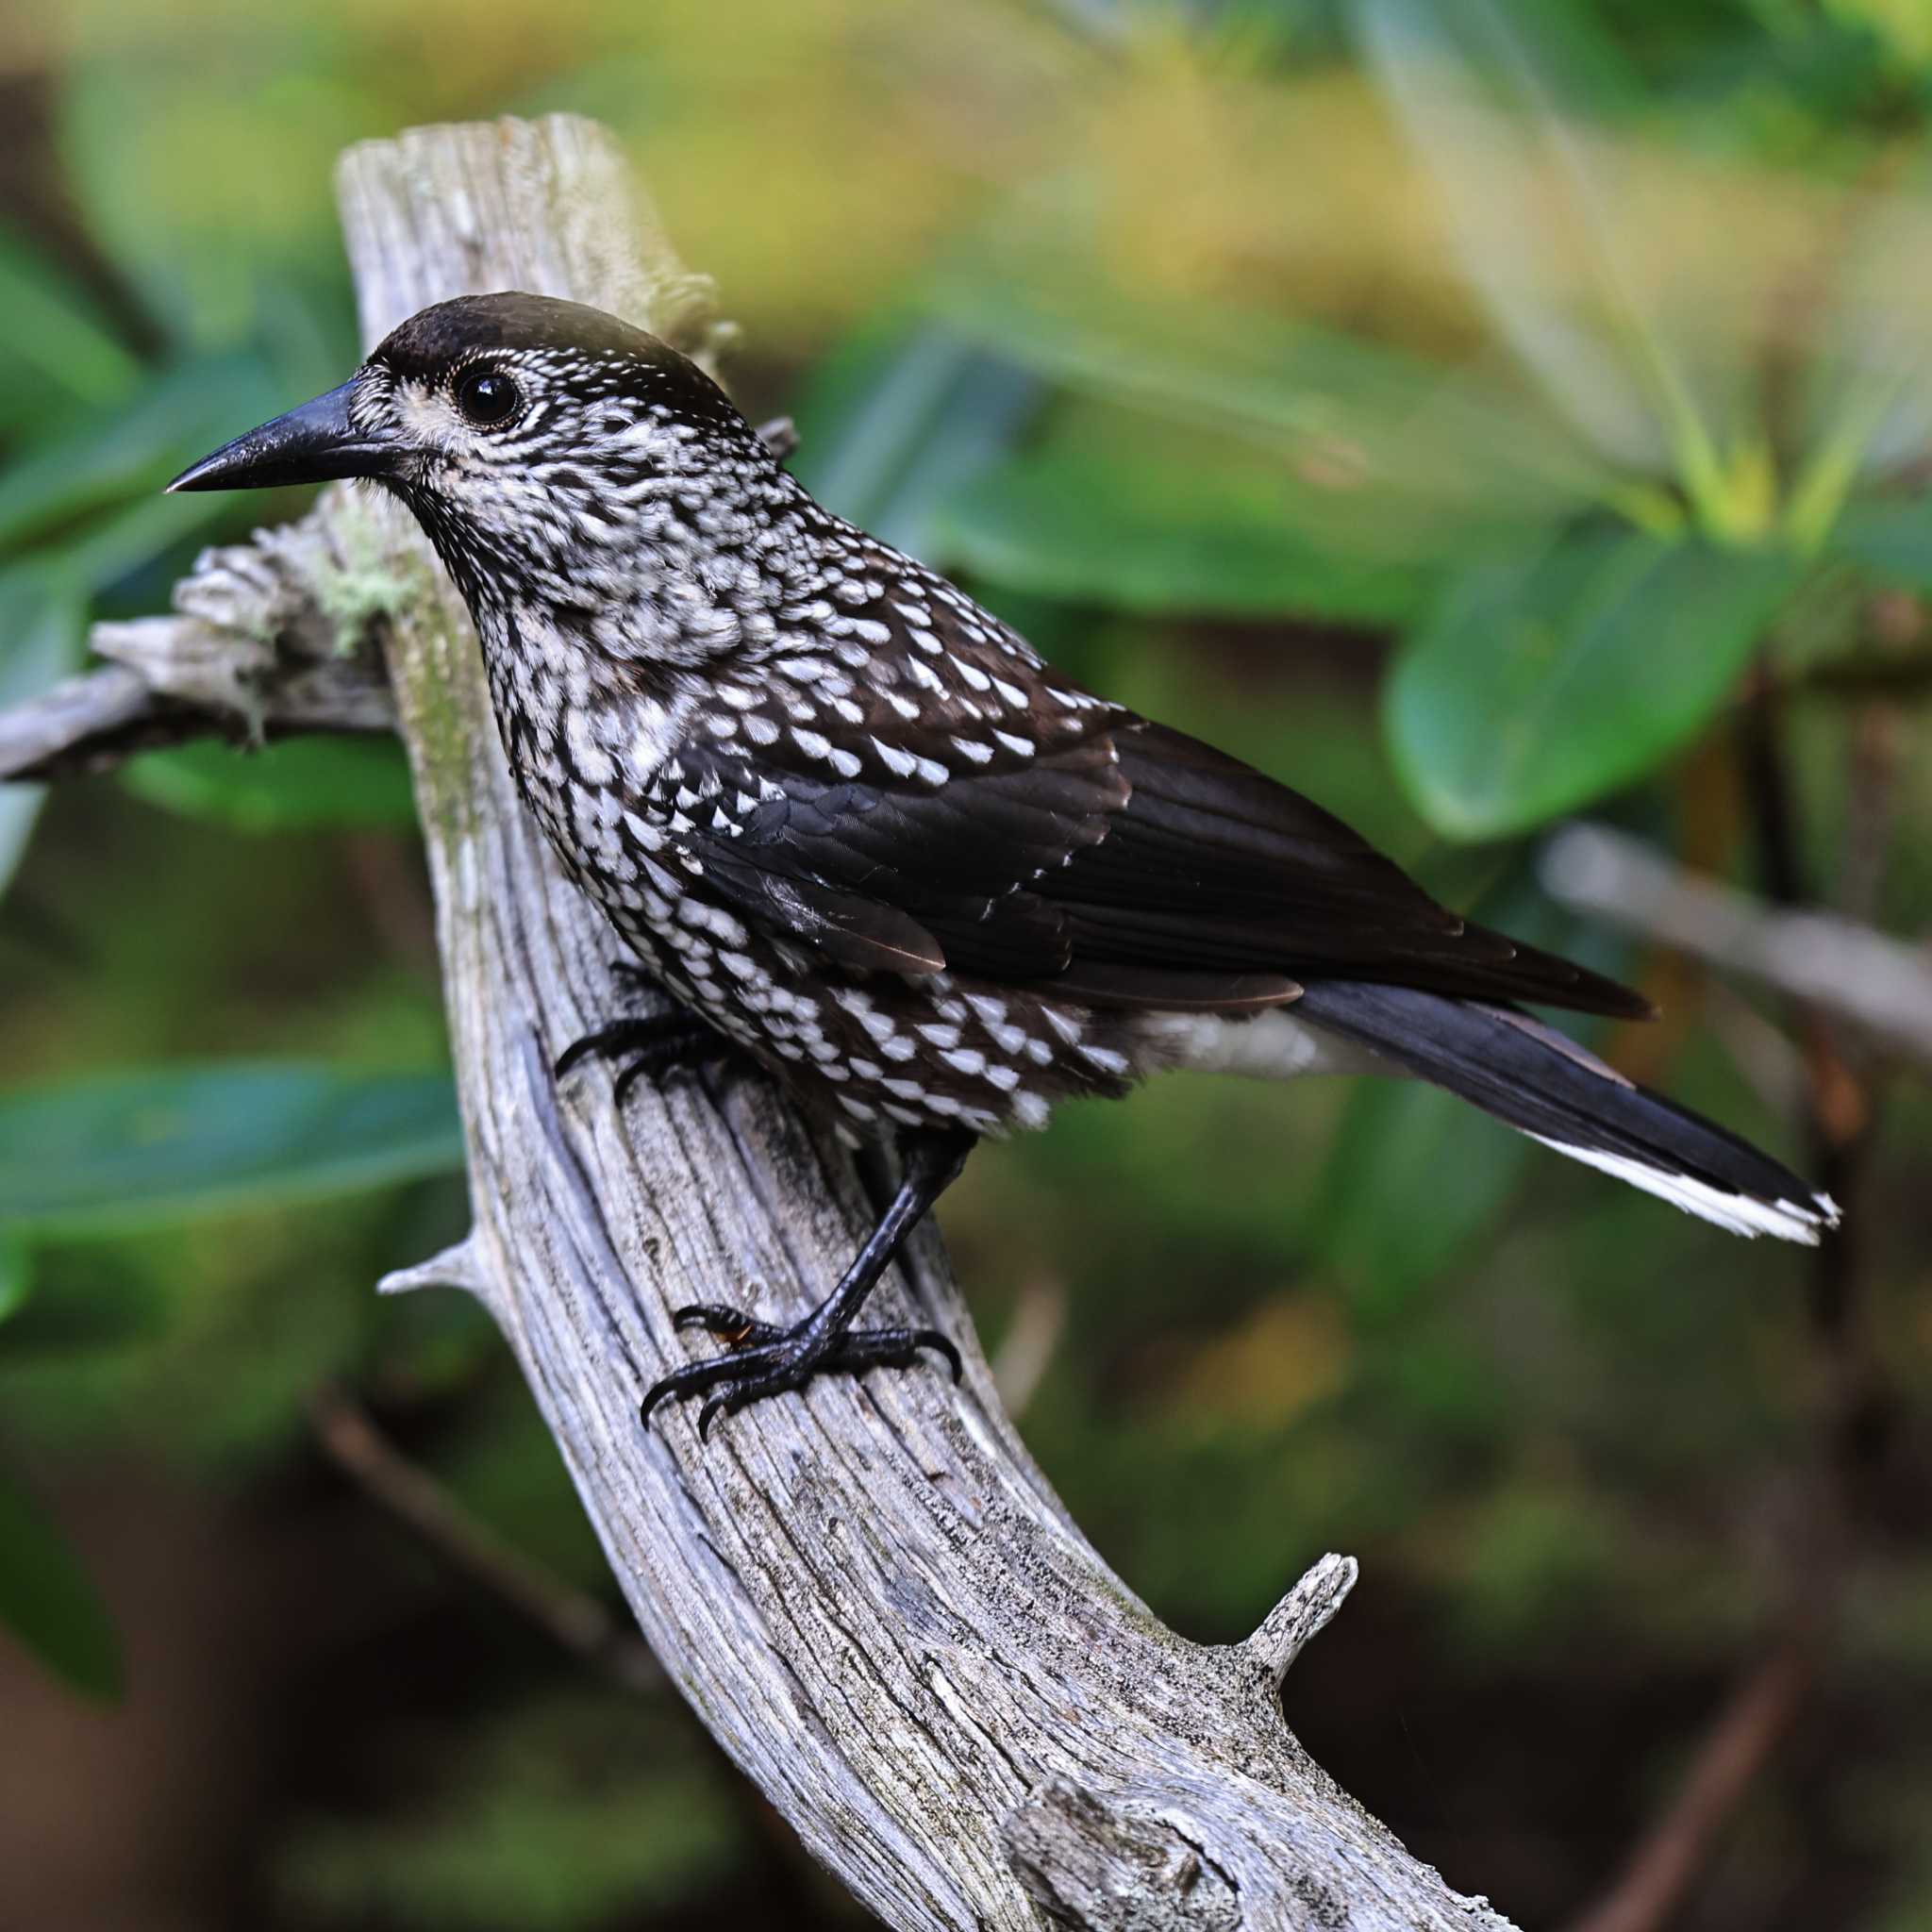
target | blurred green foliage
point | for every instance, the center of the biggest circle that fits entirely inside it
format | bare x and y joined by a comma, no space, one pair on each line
565,1811
1454,408
49,1603
134,1150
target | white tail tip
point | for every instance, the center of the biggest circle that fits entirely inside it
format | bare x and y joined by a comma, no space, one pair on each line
1788,1221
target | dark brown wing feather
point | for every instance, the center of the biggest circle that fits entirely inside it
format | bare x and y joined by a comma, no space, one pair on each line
946,870
1212,864
999,822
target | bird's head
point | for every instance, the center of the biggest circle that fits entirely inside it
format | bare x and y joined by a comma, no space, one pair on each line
543,444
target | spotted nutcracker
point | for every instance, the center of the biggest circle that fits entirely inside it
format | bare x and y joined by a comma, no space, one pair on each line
857,824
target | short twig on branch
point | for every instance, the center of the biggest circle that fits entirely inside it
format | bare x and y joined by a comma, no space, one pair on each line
87,721
579,1623
1846,968
276,637
1674,1849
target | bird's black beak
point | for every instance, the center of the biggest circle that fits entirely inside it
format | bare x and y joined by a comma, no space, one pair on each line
312,444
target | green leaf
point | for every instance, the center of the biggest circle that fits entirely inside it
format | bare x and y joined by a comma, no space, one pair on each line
206,195
1483,89
1864,407
59,351
1541,684
112,546
1889,538
1153,529
1455,457
47,1602
134,449
294,785
113,1152
899,420
44,618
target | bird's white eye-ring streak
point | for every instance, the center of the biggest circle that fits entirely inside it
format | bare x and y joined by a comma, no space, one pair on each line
488,397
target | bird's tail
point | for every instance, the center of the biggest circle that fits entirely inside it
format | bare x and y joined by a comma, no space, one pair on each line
1547,1087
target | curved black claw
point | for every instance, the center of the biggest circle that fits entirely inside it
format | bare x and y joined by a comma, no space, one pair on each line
660,1046
765,1361
605,1042
732,1326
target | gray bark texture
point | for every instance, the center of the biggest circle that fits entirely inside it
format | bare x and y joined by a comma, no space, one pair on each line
868,1592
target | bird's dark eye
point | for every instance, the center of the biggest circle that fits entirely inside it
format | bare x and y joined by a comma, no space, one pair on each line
488,397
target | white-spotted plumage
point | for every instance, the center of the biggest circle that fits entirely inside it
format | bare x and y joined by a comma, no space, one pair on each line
855,820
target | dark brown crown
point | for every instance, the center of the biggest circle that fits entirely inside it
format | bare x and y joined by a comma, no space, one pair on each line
437,339
434,338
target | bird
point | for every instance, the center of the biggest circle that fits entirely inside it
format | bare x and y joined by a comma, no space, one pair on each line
859,829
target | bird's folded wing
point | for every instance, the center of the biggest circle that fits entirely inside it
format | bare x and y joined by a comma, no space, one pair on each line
1212,865
904,874
967,808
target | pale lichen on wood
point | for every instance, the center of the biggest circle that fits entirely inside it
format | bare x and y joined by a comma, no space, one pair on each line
868,1592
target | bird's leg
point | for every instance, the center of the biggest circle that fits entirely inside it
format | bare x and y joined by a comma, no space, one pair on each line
766,1360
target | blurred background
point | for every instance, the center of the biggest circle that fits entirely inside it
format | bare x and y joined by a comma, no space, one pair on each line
1479,415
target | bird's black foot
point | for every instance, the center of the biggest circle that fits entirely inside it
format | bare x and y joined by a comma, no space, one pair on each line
657,1046
765,1361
